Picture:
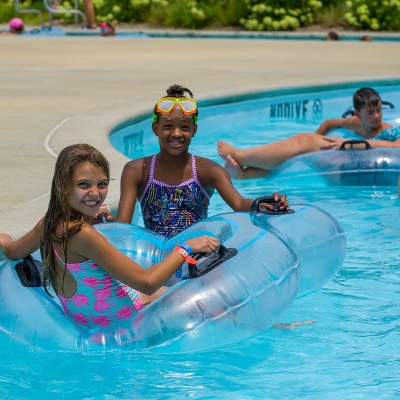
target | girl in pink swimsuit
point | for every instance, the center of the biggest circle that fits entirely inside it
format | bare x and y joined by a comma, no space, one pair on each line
97,285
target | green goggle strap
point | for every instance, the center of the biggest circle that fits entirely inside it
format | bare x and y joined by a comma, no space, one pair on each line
155,117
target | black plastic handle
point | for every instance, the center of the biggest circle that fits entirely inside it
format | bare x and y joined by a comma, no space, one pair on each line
102,218
255,207
212,261
350,110
388,103
351,143
30,272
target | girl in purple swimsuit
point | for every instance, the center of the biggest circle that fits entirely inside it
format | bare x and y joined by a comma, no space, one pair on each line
174,187
97,285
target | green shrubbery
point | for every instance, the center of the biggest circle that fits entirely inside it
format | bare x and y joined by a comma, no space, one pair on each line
192,14
374,14
7,11
253,14
258,15
275,15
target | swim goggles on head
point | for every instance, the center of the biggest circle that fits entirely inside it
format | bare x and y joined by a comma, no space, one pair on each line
167,104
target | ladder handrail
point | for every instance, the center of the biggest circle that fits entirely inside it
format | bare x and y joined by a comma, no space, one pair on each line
29,11
53,11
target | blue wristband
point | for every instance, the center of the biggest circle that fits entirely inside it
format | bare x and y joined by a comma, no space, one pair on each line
187,248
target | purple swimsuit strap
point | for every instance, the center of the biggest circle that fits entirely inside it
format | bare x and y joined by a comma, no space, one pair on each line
193,179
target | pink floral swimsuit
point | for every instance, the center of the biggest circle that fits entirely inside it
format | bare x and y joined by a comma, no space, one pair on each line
100,299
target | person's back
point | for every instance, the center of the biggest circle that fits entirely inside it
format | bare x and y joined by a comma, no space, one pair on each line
100,300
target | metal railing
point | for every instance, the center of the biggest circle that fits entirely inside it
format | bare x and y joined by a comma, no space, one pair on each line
51,11
75,11
29,11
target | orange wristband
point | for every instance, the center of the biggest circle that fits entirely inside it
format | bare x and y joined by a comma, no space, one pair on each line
186,256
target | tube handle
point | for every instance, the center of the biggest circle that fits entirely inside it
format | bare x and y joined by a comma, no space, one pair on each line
351,143
255,207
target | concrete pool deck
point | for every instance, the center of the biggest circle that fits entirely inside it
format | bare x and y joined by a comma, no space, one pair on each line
60,91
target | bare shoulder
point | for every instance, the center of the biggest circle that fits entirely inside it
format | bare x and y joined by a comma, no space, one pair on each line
207,168
134,165
351,122
87,238
203,162
133,170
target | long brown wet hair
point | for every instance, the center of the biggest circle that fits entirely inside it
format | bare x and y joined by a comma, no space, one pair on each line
60,211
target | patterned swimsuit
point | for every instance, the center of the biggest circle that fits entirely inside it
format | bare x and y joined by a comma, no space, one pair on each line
391,134
100,299
170,209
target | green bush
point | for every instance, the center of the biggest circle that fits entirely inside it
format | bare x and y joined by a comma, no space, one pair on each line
196,14
374,14
280,14
332,15
229,12
191,14
256,15
108,10
7,11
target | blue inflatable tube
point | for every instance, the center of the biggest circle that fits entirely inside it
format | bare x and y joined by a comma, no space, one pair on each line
346,167
278,258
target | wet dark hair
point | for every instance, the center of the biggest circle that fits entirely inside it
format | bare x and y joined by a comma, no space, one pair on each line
20,29
178,91
332,35
366,97
60,211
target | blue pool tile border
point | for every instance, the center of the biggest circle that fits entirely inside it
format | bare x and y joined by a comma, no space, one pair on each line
266,94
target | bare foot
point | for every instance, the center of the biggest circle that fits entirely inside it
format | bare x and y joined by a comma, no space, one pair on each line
285,326
225,149
233,168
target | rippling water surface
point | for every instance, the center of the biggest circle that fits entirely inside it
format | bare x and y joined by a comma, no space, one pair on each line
352,351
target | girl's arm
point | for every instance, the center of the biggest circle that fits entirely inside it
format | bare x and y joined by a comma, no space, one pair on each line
130,183
216,176
27,244
353,123
90,244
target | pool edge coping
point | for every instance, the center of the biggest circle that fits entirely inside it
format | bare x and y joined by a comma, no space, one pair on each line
238,98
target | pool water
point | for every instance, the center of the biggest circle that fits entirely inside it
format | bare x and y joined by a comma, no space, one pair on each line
352,351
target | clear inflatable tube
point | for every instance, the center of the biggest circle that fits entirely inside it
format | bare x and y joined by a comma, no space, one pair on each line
373,167
279,257
358,167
